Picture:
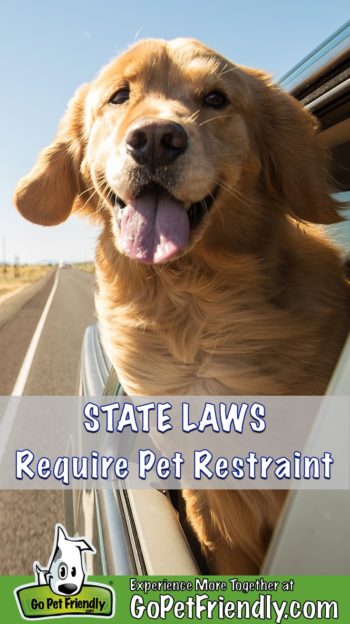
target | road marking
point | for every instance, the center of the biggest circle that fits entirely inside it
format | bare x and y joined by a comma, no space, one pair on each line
10,414
9,417
23,374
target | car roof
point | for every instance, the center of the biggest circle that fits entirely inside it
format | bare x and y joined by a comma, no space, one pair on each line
323,59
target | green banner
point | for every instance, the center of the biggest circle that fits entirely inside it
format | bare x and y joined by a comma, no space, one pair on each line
39,602
188,599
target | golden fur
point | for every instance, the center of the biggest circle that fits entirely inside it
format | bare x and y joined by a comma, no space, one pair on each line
256,303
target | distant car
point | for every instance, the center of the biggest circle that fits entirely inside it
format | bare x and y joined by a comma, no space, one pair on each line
144,532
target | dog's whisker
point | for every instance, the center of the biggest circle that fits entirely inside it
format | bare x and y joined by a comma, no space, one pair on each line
93,187
89,199
213,119
227,71
86,190
104,191
204,205
234,192
194,115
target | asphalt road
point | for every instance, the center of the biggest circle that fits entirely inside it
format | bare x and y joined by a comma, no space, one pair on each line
27,518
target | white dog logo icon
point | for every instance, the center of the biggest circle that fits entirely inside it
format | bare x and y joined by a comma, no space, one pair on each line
65,573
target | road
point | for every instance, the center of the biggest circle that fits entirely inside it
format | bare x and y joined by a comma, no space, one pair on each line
27,518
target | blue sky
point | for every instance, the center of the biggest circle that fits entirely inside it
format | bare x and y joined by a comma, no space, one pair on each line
48,48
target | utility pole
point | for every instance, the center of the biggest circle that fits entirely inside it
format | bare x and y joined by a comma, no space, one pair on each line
16,267
4,253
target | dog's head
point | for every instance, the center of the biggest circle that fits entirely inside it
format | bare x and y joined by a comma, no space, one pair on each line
166,141
66,571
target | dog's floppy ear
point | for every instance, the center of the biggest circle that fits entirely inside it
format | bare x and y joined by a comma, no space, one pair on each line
293,161
46,195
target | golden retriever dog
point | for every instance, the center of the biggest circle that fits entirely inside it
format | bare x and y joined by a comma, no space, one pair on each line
206,178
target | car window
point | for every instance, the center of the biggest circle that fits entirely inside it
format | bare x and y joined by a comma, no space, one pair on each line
340,172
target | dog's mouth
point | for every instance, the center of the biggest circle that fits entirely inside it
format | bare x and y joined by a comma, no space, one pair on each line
155,226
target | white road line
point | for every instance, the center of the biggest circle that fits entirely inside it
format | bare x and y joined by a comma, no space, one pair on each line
23,374
10,414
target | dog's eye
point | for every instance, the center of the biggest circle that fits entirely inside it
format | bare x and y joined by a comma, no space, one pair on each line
215,99
63,571
120,96
74,571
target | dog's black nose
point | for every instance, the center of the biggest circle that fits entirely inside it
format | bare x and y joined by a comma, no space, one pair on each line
156,143
67,588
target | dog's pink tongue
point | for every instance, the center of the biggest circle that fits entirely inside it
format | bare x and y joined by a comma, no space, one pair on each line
154,227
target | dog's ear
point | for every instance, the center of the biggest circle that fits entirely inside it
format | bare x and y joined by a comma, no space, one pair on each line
46,195
294,164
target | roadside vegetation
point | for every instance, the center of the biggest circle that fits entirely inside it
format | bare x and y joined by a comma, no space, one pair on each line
14,277
89,267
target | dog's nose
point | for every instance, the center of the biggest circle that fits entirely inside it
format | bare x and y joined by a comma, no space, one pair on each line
156,143
67,588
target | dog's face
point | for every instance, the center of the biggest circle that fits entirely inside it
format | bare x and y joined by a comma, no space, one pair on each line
66,570
165,140
159,122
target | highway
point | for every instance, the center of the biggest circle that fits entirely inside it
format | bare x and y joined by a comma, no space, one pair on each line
27,518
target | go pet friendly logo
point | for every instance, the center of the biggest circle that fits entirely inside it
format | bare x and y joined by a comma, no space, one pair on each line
60,589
